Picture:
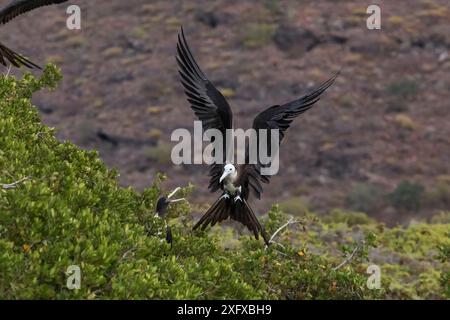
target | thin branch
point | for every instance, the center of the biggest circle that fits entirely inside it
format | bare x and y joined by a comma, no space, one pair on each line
347,260
290,222
14,184
277,243
8,71
282,253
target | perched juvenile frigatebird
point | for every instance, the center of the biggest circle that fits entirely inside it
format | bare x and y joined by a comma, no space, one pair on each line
15,8
212,109
161,210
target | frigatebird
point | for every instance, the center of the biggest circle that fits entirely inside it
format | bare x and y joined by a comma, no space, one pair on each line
15,8
161,210
212,109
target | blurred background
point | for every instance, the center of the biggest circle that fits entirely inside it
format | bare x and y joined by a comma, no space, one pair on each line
378,141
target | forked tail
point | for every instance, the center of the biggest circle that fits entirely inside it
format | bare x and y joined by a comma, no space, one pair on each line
240,210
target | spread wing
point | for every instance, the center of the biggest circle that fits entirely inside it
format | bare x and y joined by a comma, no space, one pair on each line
277,117
8,13
19,7
208,104
14,58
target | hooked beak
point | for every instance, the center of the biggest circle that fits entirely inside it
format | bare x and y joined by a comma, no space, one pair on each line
224,175
172,194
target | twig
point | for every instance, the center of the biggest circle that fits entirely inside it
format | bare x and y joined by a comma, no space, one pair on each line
282,253
8,71
347,260
14,184
290,222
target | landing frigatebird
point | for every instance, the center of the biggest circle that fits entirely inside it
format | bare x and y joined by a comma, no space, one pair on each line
212,109
8,13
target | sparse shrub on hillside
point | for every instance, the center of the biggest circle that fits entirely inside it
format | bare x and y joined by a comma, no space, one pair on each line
404,88
404,121
160,153
294,205
366,198
438,197
407,196
257,35
442,217
350,218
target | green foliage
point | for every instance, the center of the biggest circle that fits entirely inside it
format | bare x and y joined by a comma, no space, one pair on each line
403,88
349,218
366,197
444,256
407,196
439,196
160,153
71,211
256,35
294,205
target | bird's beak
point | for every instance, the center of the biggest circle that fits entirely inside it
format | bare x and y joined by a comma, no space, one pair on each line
173,192
224,175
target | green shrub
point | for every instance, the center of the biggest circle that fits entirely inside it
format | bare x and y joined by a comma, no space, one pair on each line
366,198
349,218
403,88
407,196
160,153
257,35
294,205
439,196
444,256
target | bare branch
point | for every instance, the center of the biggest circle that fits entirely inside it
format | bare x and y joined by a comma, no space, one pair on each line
291,221
8,71
347,260
14,184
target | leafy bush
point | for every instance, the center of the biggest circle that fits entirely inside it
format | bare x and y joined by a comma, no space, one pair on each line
366,198
439,196
257,35
403,88
407,196
61,206
294,205
349,218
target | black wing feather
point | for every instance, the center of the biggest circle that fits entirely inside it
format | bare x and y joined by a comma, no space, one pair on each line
14,58
8,13
208,104
277,117
19,7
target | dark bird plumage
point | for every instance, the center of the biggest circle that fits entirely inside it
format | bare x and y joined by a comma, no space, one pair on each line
212,109
9,12
161,210
161,206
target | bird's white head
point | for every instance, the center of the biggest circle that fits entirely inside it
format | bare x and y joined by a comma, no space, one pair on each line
228,171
